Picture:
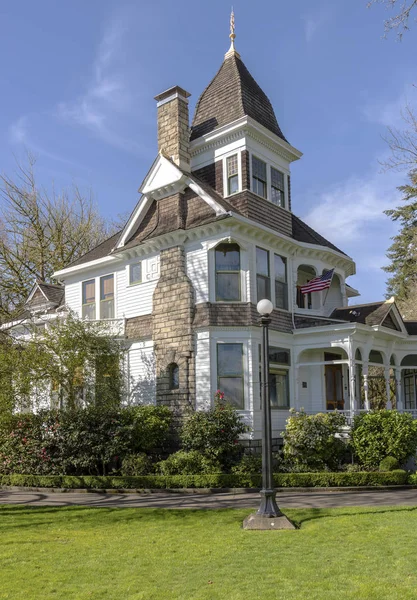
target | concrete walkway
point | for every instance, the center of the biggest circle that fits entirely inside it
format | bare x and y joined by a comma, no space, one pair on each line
287,499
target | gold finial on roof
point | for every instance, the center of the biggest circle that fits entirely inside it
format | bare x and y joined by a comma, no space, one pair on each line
232,36
232,26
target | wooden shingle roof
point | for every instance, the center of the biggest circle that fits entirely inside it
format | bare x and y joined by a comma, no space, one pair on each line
232,94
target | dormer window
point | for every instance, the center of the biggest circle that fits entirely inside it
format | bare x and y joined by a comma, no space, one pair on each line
232,174
277,187
259,181
228,273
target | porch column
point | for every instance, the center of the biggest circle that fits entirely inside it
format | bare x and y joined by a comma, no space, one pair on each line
398,389
352,387
297,386
365,384
388,387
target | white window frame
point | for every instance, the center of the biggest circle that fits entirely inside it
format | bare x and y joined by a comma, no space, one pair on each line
244,270
268,176
231,339
129,273
254,287
239,172
269,165
97,295
114,297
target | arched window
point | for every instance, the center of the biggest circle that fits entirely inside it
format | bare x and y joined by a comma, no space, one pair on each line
174,376
228,272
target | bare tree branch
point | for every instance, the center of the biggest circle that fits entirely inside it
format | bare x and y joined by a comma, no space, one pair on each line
399,22
40,233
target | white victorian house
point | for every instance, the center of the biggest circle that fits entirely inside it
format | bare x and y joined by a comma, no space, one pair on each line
212,233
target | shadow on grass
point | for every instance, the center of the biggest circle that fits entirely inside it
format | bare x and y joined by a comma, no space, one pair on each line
312,514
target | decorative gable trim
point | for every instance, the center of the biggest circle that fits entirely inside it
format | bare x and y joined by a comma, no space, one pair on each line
395,314
164,179
36,287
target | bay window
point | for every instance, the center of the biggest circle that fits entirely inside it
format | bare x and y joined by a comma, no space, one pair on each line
263,282
281,285
232,174
259,181
227,272
277,187
230,373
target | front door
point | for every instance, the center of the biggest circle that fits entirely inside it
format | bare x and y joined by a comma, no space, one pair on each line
334,387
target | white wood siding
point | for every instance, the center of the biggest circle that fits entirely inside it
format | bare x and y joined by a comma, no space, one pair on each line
197,271
141,373
202,367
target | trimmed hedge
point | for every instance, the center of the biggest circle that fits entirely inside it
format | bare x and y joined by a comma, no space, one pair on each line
214,480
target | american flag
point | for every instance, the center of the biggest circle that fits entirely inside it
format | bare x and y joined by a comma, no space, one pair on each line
318,283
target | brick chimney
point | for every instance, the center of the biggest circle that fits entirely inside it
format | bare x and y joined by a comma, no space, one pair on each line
173,126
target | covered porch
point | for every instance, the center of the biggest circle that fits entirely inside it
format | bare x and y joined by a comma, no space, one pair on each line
352,374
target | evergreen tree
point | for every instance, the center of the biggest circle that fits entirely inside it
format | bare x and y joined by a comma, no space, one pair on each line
403,251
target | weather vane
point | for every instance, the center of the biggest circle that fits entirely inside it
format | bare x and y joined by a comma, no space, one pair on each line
232,26
232,51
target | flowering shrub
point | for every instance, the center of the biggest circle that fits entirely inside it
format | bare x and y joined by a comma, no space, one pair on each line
93,440
214,433
381,433
310,441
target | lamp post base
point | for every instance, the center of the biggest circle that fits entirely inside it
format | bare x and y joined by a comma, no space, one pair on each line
259,522
268,516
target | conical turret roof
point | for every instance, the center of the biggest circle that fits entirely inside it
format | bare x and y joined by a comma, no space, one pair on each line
232,94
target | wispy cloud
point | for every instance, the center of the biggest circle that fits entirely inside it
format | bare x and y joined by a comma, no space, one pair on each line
390,112
350,208
313,23
350,214
107,95
19,135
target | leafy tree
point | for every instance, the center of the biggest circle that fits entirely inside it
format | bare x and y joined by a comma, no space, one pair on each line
40,233
403,250
72,361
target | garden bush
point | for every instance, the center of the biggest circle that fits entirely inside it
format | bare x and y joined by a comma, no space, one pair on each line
389,463
214,433
310,441
248,464
378,434
188,463
87,441
136,464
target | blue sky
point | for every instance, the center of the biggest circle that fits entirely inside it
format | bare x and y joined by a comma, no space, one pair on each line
79,80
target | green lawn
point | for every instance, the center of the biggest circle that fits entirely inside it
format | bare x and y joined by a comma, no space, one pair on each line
80,553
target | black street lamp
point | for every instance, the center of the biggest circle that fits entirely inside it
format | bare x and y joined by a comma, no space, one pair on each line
268,515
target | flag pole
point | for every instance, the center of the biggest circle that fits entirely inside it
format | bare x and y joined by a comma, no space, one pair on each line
328,289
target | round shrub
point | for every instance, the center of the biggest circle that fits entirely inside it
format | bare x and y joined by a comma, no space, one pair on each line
214,433
389,463
188,463
134,465
384,433
311,442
